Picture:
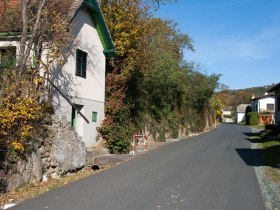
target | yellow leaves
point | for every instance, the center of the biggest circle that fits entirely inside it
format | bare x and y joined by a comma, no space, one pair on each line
17,146
19,109
125,22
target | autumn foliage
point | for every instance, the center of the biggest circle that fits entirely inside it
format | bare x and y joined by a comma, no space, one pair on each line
19,110
25,69
149,86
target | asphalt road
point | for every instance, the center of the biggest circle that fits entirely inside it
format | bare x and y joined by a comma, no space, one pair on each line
211,171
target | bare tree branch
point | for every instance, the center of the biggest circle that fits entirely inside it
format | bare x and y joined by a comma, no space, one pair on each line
33,35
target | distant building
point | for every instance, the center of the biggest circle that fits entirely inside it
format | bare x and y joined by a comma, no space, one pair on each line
264,103
227,115
265,107
240,113
276,90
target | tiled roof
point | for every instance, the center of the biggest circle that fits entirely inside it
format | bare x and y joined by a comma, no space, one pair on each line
68,9
264,96
242,108
7,4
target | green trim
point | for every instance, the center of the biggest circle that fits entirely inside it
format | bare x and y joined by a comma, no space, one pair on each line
109,52
101,27
5,34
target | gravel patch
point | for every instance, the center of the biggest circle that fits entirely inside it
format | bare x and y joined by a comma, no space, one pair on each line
268,187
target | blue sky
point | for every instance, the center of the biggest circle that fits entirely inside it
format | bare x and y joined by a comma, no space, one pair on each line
239,39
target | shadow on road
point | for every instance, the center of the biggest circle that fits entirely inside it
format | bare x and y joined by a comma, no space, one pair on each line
250,156
250,134
260,157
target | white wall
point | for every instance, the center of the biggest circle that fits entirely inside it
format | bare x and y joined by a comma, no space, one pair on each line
261,104
89,91
240,117
86,39
264,101
10,44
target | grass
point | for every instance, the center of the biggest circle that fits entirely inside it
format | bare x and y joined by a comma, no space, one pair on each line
271,152
255,138
258,127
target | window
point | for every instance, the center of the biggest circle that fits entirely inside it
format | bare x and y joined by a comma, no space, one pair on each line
7,57
278,103
81,63
270,107
94,116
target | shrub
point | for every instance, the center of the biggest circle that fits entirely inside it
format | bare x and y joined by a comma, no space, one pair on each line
117,137
253,118
247,111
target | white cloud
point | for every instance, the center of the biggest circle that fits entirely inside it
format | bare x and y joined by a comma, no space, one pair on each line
253,48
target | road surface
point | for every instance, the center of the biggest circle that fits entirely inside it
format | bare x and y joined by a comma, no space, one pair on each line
212,171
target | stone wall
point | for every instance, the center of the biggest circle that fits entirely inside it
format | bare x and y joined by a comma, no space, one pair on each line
56,150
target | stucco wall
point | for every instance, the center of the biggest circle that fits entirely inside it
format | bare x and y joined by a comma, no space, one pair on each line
261,104
88,92
85,38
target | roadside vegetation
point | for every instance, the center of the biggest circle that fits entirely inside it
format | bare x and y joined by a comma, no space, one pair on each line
149,85
269,144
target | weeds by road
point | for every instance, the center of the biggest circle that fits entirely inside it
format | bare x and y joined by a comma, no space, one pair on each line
32,190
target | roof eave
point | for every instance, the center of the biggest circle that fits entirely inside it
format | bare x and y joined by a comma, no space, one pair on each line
101,27
275,87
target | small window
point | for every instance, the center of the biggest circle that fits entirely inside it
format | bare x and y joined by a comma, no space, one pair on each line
278,103
270,107
94,116
81,63
7,57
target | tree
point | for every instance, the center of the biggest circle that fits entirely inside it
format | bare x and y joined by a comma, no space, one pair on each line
22,88
149,86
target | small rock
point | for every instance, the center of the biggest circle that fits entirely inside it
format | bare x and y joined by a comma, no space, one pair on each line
55,176
45,178
9,205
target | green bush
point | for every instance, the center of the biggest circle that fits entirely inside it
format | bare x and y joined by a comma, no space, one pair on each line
253,118
247,117
117,137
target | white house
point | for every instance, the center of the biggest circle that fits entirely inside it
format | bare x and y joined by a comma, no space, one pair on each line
263,103
227,115
240,113
276,90
81,81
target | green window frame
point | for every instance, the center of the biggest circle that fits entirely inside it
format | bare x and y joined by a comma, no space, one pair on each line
81,63
94,117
